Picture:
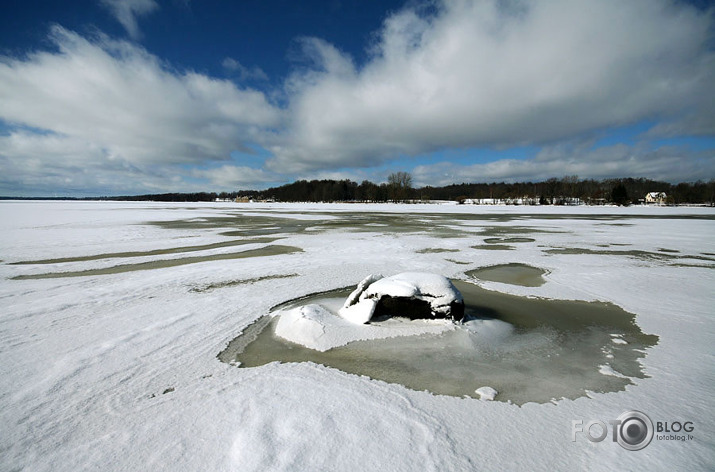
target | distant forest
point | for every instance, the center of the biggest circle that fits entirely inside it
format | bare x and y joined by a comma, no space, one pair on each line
550,192
566,190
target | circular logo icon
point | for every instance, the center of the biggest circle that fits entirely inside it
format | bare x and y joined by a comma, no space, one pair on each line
635,431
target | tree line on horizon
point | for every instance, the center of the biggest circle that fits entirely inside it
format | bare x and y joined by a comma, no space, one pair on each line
549,192
399,188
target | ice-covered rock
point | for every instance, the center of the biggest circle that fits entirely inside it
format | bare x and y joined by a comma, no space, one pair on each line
486,394
318,328
409,294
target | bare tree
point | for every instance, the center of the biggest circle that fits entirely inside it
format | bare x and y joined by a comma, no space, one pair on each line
400,184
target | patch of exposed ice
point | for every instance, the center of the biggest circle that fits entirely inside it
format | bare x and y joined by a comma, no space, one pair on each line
489,331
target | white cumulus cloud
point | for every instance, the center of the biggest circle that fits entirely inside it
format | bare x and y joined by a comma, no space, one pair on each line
102,101
667,163
499,74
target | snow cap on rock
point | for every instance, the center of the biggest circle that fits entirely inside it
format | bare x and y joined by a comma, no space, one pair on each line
436,293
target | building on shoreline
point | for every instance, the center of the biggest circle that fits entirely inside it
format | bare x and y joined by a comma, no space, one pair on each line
655,198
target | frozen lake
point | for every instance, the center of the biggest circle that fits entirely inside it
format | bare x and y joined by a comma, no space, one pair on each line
112,316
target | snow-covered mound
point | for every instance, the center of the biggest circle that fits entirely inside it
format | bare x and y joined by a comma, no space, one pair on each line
410,294
315,327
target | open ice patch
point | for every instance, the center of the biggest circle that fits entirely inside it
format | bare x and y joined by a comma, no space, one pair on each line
526,349
514,274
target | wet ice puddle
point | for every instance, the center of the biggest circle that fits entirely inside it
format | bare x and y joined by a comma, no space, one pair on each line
525,349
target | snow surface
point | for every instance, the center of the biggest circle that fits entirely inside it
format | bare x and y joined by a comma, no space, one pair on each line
434,289
119,372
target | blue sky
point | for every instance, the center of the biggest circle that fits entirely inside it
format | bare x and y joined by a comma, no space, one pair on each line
109,97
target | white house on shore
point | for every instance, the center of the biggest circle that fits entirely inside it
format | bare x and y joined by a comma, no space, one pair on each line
656,198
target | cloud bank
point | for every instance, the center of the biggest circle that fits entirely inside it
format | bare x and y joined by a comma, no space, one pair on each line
666,163
106,104
99,113
501,74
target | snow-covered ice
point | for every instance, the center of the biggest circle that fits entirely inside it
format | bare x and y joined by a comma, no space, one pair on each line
118,371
